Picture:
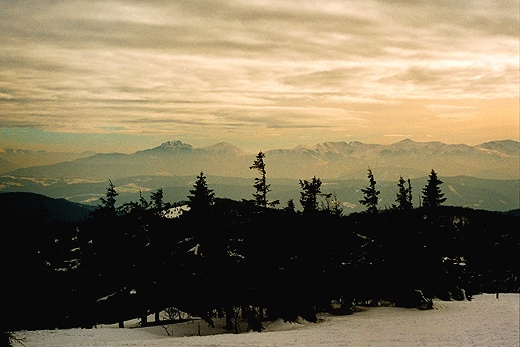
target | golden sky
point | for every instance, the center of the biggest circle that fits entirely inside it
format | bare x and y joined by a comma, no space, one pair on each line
127,75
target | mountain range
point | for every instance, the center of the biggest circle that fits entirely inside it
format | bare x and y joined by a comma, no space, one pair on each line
485,176
329,160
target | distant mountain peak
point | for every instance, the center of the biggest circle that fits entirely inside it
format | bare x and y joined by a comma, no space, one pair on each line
507,147
168,147
492,160
172,145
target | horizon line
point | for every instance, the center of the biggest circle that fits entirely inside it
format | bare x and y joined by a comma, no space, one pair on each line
4,149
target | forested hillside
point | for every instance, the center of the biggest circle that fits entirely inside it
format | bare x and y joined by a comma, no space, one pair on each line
248,260
23,206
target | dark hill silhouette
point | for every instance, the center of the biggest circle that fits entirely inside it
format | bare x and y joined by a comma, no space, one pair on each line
18,206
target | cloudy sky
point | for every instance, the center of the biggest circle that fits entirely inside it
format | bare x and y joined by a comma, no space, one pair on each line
127,75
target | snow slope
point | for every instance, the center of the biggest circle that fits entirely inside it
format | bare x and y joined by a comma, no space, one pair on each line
484,321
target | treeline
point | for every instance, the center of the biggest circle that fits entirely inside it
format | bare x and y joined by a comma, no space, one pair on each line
249,261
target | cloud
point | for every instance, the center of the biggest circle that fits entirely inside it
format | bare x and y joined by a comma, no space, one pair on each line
149,66
453,112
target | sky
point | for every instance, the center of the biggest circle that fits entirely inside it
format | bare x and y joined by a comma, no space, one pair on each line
128,75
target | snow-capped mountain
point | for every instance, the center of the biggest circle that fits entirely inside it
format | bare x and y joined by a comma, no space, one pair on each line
332,160
167,147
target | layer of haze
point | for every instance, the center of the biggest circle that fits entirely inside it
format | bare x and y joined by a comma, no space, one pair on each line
128,75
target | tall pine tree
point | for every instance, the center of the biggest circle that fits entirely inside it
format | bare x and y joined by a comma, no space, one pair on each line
404,195
156,199
371,194
202,197
431,193
107,207
261,186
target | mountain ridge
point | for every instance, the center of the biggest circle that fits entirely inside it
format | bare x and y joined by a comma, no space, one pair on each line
340,160
508,145
15,158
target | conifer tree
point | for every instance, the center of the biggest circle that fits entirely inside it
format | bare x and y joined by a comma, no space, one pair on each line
138,208
409,189
202,197
110,201
371,198
309,195
107,207
290,206
332,205
431,193
157,200
261,186
143,203
404,195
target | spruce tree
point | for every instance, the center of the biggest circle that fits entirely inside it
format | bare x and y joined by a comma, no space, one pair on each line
409,192
143,203
202,197
371,198
107,207
261,186
157,200
431,193
404,195
290,206
332,205
110,201
309,195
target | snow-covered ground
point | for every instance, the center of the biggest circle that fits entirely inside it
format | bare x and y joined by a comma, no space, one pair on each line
484,321
175,212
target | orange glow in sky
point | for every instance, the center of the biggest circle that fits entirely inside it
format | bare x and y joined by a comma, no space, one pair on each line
127,75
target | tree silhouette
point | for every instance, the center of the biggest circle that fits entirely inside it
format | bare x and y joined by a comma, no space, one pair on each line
261,186
114,269
107,207
309,195
332,205
202,197
290,206
431,193
157,200
137,208
109,201
371,198
404,195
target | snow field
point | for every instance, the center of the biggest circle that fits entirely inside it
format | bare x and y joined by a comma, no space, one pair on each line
482,322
